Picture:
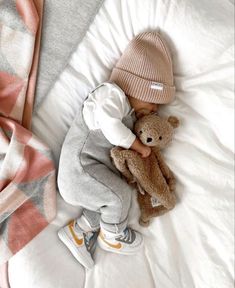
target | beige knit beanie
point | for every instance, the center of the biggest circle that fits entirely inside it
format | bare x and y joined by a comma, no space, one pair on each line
144,70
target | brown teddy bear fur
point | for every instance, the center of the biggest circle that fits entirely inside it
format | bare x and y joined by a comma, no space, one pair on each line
151,176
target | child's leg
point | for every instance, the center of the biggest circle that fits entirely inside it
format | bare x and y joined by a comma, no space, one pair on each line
89,220
112,197
100,189
116,196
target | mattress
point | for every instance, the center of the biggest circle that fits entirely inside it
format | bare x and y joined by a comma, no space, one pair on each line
191,246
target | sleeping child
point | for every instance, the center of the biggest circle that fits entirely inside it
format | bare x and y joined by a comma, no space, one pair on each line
142,79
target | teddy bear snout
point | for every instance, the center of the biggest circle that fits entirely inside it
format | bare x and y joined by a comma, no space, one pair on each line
149,139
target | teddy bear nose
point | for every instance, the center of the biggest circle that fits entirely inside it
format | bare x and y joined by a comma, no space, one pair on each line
149,139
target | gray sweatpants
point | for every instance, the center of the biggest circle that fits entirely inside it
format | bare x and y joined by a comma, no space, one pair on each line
87,177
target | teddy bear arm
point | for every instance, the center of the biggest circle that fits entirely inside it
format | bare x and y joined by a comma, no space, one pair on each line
171,181
126,173
166,171
119,157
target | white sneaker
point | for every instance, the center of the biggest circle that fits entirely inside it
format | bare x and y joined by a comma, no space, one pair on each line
128,242
79,242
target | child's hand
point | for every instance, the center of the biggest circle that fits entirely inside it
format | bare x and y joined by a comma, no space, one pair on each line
146,151
139,147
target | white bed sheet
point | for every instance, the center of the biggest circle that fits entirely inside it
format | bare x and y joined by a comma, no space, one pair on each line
192,246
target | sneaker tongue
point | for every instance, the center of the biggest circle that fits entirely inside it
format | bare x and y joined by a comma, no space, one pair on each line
125,232
123,235
89,235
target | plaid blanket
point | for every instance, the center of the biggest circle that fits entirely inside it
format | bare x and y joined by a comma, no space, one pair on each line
27,173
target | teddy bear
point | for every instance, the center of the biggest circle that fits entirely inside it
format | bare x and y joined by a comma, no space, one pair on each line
152,178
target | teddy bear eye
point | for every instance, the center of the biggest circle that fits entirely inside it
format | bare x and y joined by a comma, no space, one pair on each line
160,138
141,132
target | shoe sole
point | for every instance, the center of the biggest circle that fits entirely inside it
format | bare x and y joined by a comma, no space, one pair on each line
105,247
75,252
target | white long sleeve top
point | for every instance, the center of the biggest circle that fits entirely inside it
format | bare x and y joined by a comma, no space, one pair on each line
105,109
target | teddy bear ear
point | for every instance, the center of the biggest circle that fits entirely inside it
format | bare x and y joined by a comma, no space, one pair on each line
173,121
141,113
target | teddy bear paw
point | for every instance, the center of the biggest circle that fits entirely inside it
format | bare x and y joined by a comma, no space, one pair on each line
172,184
115,151
171,202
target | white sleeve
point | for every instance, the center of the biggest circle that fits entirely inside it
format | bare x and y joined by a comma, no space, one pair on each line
110,114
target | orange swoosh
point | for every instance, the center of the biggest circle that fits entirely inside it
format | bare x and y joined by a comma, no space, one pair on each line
116,246
76,239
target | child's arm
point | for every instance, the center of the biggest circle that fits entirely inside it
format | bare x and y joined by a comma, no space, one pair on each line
118,134
111,108
110,111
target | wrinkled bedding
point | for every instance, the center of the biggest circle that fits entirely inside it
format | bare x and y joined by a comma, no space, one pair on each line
192,246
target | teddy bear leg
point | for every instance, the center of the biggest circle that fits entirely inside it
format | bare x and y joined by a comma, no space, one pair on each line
144,209
144,223
148,211
146,216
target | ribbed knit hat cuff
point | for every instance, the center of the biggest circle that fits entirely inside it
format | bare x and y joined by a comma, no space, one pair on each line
142,89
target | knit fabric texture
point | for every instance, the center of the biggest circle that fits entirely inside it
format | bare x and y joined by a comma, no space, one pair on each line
144,71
